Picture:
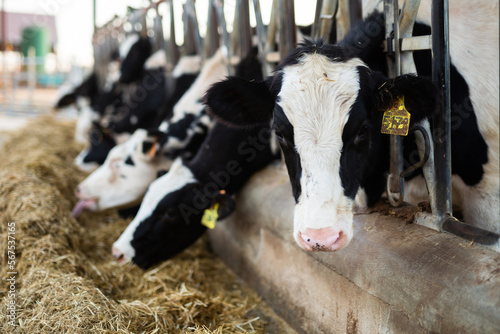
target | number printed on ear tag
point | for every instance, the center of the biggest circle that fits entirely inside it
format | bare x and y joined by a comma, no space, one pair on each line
210,216
396,120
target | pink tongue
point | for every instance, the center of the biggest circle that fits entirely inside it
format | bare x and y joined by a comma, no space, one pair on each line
82,205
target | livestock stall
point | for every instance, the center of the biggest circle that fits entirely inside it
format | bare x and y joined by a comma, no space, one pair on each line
408,268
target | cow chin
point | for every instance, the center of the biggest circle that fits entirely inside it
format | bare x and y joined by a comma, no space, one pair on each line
314,233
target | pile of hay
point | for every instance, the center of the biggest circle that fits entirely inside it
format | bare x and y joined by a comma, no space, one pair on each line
66,280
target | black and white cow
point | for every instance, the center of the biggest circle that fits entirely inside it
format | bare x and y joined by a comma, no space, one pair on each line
138,160
169,219
125,108
327,103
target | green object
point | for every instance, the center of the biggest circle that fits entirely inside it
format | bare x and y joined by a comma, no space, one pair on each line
39,38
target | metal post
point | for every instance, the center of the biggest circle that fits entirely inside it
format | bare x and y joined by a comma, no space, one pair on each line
286,27
94,14
3,45
219,7
261,36
441,76
212,35
391,11
245,38
316,27
328,19
173,49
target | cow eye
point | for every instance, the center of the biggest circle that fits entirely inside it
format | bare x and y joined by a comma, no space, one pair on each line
279,134
362,134
171,213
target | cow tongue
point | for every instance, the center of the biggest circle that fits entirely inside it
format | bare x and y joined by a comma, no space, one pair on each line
82,205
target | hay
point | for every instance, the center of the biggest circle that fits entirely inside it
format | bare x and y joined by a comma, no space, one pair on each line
67,281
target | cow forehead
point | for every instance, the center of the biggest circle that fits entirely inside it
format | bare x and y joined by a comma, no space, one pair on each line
128,147
316,96
318,88
177,177
187,65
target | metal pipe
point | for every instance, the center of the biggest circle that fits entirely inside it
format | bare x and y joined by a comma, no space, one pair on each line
261,35
328,18
441,133
219,6
391,11
316,27
172,49
272,28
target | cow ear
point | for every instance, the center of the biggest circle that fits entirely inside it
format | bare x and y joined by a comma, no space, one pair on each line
66,100
161,172
240,103
420,96
226,205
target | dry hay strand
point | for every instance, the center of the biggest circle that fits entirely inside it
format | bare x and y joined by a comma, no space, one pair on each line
67,281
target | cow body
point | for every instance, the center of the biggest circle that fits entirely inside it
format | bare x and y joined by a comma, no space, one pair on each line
125,108
327,103
144,155
169,219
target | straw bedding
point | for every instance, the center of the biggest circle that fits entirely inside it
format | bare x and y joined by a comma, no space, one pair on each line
67,281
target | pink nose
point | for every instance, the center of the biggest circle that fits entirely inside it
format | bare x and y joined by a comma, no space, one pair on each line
118,255
327,239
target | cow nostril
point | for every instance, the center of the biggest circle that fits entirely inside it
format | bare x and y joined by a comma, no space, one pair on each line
118,255
323,239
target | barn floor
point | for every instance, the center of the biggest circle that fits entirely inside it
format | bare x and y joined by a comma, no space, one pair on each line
393,277
64,279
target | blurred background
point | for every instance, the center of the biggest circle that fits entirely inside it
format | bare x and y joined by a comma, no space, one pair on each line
46,43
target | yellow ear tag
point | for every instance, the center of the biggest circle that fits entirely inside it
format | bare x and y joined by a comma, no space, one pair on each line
396,121
210,217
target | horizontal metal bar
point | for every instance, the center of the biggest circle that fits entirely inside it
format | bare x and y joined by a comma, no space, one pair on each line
413,43
273,57
469,232
416,43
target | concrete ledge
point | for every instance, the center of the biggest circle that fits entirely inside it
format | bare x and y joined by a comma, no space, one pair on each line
392,278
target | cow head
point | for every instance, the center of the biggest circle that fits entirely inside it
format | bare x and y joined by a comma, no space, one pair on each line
101,142
124,177
169,219
326,107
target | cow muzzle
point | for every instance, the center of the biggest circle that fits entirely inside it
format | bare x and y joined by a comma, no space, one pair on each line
326,239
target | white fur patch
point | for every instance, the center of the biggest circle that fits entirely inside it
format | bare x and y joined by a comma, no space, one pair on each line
116,183
156,60
213,70
84,123
85,166
316,96
187,65
125,47
178,176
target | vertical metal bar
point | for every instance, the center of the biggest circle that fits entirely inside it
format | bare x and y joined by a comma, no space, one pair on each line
343,19
328,18
212,35
219,6
355,12
291,28
94,14
391,12
441,133
272,28
286,27
245,40
316,27
172,49
261,36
